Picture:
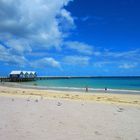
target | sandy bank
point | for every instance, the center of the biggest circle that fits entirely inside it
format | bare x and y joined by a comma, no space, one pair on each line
29,114
127,99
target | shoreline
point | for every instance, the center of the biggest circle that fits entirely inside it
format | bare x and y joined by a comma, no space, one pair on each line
111,98
71,89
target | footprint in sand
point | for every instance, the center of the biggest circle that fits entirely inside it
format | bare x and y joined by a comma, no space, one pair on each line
135,102
41,98
36,100
28,100
59,104
97,133
118,138
114,114
120,110
61,123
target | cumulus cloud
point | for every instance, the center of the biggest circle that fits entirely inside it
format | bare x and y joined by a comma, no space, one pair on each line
26,25
34,21
29,28
77,60
79,47
21,61
66,20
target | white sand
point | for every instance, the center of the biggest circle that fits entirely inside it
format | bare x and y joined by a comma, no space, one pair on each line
57,119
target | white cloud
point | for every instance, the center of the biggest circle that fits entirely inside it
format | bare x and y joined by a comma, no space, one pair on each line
18,46
85,18
92,18
21,61
128,65
80,47
33,22
126,54
44,62
100,64
66,20
76,60
7,58
27,26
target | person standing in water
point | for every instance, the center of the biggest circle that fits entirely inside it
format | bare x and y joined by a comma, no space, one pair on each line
105,89
86,88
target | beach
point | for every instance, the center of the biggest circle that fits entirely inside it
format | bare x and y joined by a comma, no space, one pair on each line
69,70
34,114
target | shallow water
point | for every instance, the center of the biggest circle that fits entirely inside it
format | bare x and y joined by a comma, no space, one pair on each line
123,83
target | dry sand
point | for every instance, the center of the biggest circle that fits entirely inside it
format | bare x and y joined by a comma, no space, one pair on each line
29,114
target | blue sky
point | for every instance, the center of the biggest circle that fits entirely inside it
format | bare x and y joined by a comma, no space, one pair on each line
70,37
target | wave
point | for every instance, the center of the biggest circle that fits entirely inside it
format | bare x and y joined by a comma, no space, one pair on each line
99,90
74,89
92,89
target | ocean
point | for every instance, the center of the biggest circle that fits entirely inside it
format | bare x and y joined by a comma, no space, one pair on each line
97,83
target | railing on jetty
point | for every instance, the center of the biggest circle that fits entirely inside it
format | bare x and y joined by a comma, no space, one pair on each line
14,79
60,77
52,77
8,79
69,77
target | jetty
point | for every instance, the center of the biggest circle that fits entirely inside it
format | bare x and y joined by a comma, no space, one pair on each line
25,76
4,79
19,76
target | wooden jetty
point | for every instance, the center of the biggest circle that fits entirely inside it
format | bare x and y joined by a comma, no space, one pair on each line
8,79
26,79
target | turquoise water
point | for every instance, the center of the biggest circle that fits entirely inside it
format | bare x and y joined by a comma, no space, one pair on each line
125,83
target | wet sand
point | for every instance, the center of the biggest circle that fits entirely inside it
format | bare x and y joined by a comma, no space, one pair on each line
39,115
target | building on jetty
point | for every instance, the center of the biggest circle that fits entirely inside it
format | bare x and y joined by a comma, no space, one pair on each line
17,76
